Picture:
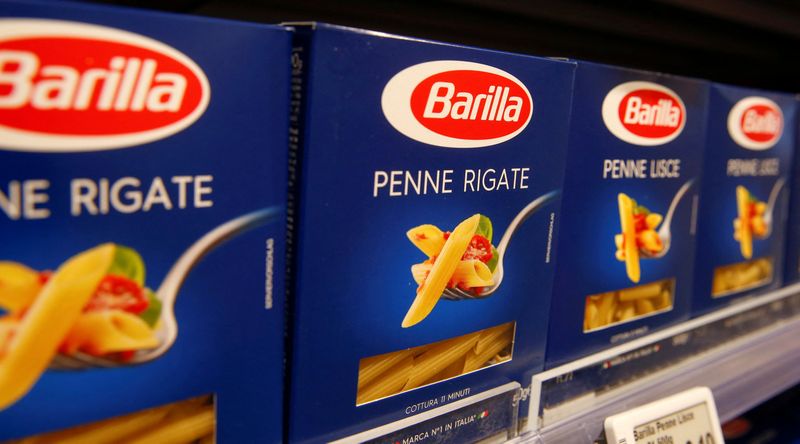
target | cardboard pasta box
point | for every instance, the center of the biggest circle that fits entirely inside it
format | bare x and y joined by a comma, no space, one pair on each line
743,204
791,271
142,195
626,246
426,177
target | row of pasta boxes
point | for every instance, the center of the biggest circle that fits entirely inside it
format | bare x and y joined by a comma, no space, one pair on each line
458,220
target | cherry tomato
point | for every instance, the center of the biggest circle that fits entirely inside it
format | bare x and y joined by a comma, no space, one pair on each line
479,248
118,293
640,222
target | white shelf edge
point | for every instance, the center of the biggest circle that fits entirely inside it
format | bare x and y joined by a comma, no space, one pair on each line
742,374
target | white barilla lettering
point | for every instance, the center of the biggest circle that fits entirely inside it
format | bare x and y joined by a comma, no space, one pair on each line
127,84
443,102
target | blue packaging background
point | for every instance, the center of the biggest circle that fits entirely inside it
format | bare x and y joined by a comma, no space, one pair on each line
228,344
354,284
716,245
791,272
585,259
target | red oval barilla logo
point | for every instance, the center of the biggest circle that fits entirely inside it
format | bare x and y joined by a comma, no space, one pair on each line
755,123
644,113
457,104
67,87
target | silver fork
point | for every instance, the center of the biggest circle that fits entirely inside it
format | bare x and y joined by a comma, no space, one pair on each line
773,198
168,292
664,231
457,294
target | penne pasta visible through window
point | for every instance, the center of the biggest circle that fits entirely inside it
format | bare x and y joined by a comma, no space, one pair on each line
186,422
399,371
733,278
614,307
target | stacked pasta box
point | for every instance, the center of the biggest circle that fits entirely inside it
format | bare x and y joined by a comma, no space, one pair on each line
627,240
130,151
791,271
743,204
412,295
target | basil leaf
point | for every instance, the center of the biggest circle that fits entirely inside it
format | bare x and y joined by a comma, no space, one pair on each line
492,264
485,228
127,263
153,311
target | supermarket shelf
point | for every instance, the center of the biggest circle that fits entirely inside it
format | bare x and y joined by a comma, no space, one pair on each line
734,41
746,354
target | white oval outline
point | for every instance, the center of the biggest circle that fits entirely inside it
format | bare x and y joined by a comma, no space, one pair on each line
610,113
735,118
396,103
12,139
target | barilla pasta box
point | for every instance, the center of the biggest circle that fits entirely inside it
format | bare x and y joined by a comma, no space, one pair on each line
791,271
624,257
142,225
743,204
427,177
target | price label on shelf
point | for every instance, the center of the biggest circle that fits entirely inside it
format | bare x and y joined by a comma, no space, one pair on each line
689,417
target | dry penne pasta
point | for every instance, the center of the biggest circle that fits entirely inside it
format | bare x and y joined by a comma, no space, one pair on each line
395,372
451,371
766,266
490,335
438,358
748,275
645,305
371,368
590,314
182,422
110,431
646,291
665,300
442,271
49,319
183,429
609,318
477,358
625,310
391,382
734,278
606,309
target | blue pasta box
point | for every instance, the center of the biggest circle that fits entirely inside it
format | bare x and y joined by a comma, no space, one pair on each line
142,225
743,203
791,271
626,247
423,207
